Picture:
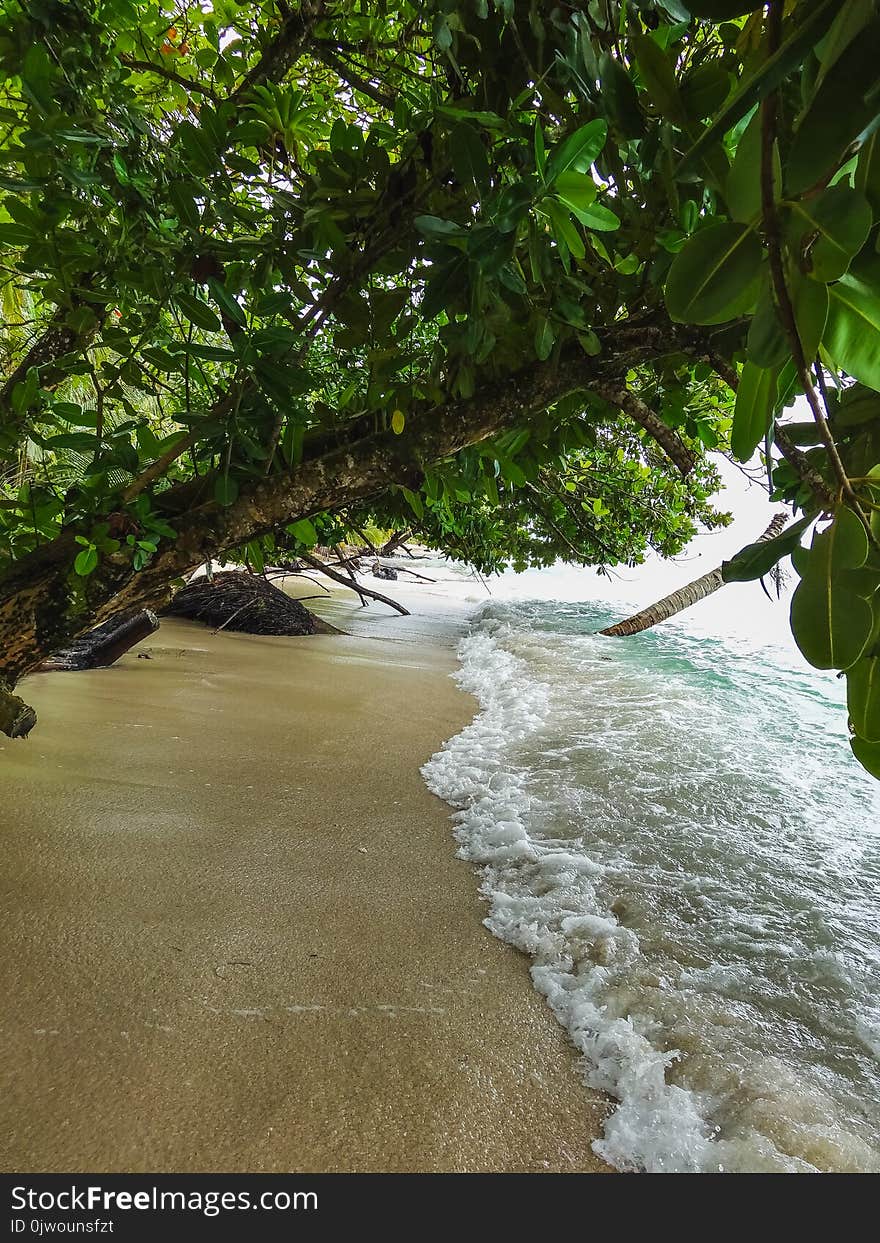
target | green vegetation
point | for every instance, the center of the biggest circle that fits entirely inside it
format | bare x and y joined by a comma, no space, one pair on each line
497,271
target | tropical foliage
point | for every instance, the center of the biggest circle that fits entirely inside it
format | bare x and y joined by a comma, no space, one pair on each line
501,271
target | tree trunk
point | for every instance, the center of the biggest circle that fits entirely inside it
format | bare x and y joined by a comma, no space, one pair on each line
682,599
43,605
104,645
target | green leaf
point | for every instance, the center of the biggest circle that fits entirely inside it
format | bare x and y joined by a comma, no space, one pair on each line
658,75
304,531
744,178
810,302
434,227
868,755
867,178
198,312
620,97
226,302
544,338
86,561
446,282
768,346
852,334
766,78
713,278
830,622
182,195
578,153
843,106
540,149
577,190
705,89
225,490
563,229
721,10
597,217
833,229
755,400
757,559
863,697
469,159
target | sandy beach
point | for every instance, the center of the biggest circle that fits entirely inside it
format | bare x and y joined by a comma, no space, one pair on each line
236,933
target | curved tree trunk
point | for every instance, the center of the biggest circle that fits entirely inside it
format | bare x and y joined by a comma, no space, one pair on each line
43,606
682,599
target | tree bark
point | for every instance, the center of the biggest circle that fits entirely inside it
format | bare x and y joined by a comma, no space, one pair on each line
104,645
686,596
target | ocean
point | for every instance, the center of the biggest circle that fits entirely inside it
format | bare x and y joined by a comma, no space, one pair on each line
673,828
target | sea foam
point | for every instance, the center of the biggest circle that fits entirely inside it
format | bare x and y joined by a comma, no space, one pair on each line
646,1024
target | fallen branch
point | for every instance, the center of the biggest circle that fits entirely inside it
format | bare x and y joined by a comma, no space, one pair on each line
358,587
103,646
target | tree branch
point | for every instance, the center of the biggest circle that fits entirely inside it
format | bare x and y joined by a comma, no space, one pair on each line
41,609
352,586
148,66
671,444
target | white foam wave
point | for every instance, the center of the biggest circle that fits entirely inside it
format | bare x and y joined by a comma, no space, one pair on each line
545,897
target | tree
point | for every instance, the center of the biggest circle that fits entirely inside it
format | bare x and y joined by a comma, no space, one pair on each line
269,267
685,597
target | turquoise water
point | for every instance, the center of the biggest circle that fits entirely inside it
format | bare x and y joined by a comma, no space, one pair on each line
673,827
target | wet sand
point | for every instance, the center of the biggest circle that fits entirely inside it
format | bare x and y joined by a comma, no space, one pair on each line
236,936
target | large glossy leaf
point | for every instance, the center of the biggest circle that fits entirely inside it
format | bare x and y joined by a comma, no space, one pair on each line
830,621
766,78
658,74
832,229
810,302
844,104
744,178
867,178
868,755
469,158
768,345
198,312
863,697
704,90
755,399
852,335
757,559
578,152
714,277
721,10
620,99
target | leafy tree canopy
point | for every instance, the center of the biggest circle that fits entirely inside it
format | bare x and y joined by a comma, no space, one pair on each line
499,271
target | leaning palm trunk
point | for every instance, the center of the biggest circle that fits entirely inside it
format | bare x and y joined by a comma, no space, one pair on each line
682,599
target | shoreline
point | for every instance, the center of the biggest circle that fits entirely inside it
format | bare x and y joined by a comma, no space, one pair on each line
238,935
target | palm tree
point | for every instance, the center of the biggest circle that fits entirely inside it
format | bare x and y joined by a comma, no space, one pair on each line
682,599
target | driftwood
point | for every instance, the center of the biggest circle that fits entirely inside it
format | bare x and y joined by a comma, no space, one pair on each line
353,586
104,645
247,603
